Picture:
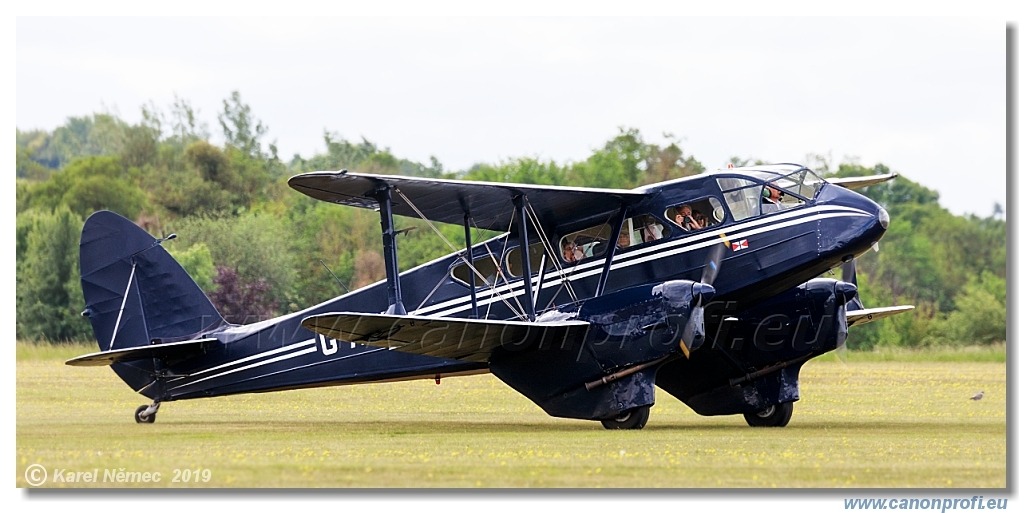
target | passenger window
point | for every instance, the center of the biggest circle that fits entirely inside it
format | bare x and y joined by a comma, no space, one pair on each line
639,230
742,196
485,265
696,215
584,244
514,259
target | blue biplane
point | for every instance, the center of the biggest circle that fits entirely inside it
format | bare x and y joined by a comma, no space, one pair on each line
707,287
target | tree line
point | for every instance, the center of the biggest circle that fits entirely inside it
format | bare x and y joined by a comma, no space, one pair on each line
259,249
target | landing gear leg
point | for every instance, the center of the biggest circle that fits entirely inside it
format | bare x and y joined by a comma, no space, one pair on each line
147,414
776,415
632,419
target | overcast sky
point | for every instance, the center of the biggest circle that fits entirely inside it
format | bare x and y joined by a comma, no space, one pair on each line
924,96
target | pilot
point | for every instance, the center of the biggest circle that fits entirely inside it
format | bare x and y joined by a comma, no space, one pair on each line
571,252
689,219
770,199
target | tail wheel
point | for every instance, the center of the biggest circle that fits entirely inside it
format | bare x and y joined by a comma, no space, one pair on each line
144,419
776,415
632,419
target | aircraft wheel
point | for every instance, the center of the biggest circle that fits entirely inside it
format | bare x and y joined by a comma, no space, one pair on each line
632,419
141,419
776,415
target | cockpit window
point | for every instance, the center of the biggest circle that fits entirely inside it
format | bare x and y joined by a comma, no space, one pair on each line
696,215
747,198
805,183
802,182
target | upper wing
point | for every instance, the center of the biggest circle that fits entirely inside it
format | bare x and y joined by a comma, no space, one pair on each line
471,340
176,350
856,182
449,201
855,317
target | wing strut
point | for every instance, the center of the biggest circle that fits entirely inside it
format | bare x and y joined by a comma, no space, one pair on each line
387,229
607,269
524,250
472,265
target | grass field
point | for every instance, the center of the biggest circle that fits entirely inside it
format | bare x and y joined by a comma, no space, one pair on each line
890,422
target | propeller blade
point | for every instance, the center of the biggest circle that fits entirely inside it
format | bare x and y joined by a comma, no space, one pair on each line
846,293
713,264
850,271
850,278
692,336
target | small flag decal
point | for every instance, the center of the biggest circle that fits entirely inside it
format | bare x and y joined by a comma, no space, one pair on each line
736,246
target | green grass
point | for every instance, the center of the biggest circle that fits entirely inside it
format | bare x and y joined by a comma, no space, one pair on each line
860,424
995,354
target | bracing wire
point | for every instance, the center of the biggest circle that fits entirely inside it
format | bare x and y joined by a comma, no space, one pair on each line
521,312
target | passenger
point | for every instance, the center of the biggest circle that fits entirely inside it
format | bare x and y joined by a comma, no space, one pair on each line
571,252
623,241
770,200
701,219
493,278
652,230
688,220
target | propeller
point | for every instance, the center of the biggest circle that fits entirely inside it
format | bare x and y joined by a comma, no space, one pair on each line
846,293
702,292
850,276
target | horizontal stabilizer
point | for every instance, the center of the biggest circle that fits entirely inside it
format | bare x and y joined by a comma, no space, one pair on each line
473,340
171,350
855,317
857,182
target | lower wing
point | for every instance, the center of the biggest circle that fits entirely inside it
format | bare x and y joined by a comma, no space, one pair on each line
473,340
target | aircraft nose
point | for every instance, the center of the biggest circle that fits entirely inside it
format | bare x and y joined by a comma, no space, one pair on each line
883,218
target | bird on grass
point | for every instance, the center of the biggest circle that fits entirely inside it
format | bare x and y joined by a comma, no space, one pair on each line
978,396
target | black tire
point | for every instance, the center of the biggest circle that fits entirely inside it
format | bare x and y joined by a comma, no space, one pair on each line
144,419
632,419
776,415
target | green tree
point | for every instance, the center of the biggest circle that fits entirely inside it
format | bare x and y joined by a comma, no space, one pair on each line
211,164
198,263
86,185
49,292
521,170
980,314
255,246
241,129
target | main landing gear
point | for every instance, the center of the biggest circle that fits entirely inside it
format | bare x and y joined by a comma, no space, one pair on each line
632,419
146,414
776,415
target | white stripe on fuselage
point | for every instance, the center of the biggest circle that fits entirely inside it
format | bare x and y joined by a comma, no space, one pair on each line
656,251
283,357
255,356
